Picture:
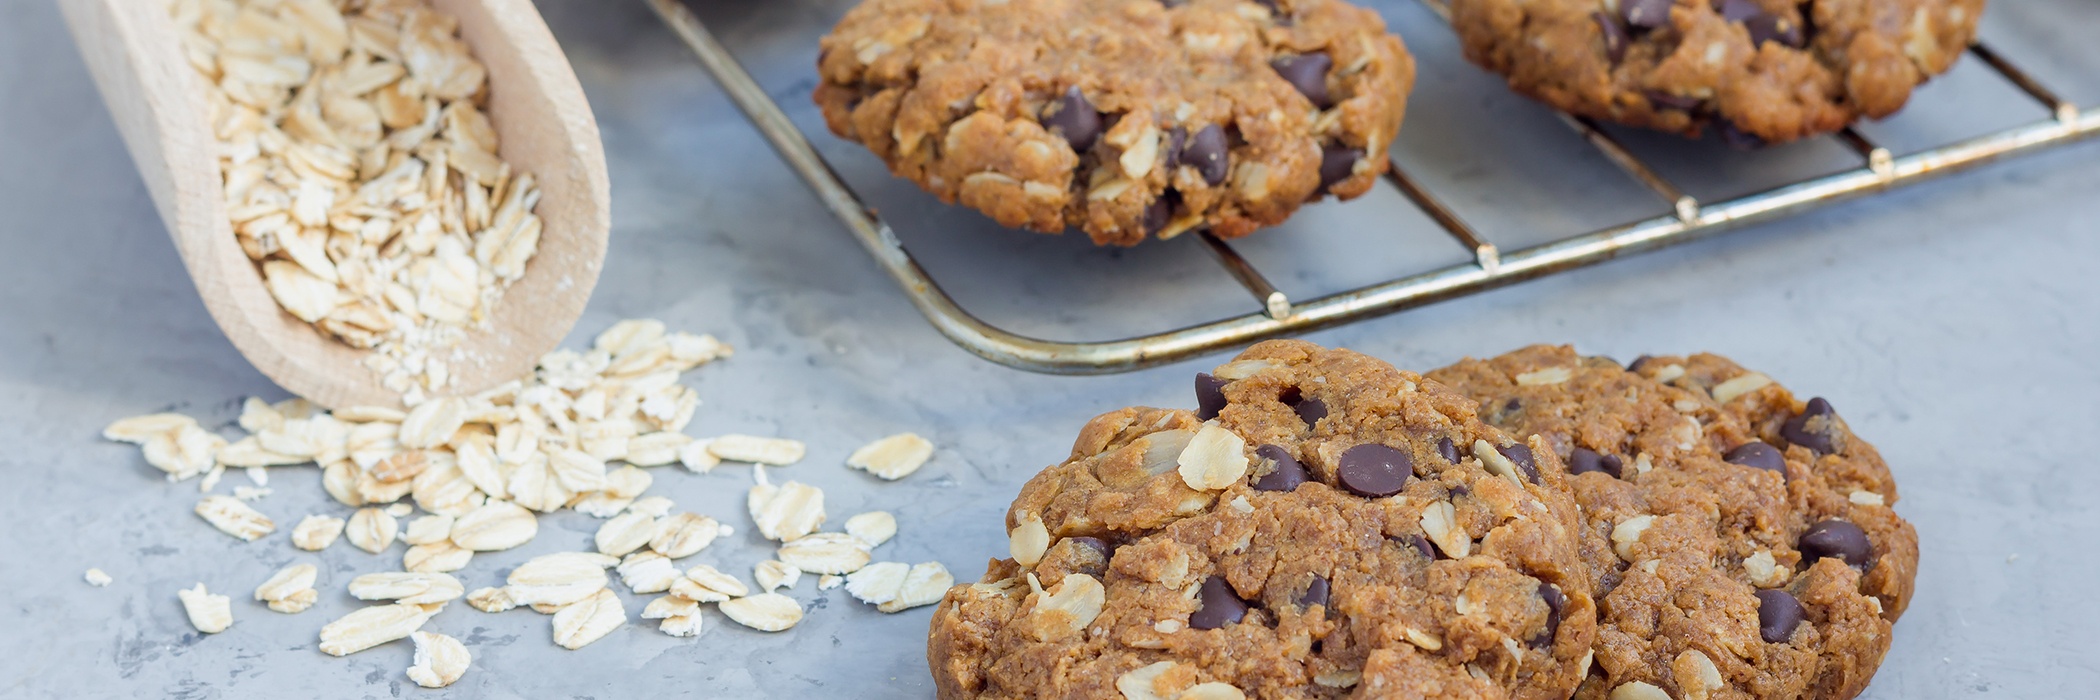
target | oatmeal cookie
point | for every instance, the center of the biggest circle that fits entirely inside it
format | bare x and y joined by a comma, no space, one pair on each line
1323,525
1760,70
1742,540
1124,118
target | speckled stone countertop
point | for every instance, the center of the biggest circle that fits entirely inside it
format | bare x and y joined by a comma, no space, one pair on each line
1956,325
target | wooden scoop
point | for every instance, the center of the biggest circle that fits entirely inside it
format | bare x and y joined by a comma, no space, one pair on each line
539,113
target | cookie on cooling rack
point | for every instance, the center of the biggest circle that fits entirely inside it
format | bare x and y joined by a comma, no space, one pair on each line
1742,540
1322,525
1125,118
1760,70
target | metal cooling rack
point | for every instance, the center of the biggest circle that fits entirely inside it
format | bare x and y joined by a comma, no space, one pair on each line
1277,314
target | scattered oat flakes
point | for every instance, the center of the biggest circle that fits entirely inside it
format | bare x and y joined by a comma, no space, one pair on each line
652,506
491,600
496,526
372,627
428,529
681,625
439,661
436,557
830,581
684,535
235,518
765,612
696,458
893,457
787,511
756,450
407,587
774,574
924,585
96,578
588,620
625,533
315,532
873,527
558,579
290,590
209,613
647,572
825,553
710,585
371,529
247,494
877,583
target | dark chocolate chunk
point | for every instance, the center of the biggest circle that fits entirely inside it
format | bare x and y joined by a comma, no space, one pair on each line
1615,37
1765,28
1521,456
1177,140
1739,139
1285,476
1778,613
1677,102
1374,470
1837,538
1757,454
1093,555
1315,592
1336,163
1307,73
1642,361
1646,14
1311,411
1161,212
1210,395
1555,602
1448,450
1220,605
1816,427
1585,460
1075,119
1421,544
1206,152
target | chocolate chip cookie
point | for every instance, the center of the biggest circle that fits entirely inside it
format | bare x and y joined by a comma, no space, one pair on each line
1741,539
1759,70
1322,525
1125,118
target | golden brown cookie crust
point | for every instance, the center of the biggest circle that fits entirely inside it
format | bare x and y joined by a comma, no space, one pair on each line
1854,59
1716,531
953,94
1415,609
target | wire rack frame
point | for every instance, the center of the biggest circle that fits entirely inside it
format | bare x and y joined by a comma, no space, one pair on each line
1277,314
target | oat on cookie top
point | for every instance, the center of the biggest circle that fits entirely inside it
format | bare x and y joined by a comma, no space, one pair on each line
1735,556
1128,119
1758,70
1324,525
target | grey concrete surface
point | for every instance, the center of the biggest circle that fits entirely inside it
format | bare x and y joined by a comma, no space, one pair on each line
1956,325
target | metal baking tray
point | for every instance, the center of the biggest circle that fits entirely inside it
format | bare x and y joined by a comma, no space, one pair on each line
1274,313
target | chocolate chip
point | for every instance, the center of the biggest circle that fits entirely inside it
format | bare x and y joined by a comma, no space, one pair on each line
1075,119
1615,37
1421,544
1160,212
1448,450
1739,10
1642,361
1646,14
1374,470
1757,454
1287,474
1778,613
1677,102
1585,460
1521,456
1210,395
1555,602
1315,592
1207,154
1814,429
1093,555
1336,164
1177,139
1220,606
1307,73
1311,411
1839,539
1739,139
1765,28
1512,405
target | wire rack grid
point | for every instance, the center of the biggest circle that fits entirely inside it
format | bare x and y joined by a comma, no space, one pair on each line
1276,314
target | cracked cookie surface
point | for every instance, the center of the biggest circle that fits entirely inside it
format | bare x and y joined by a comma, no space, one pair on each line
1759,70
1741,539
1127,119
1324,525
